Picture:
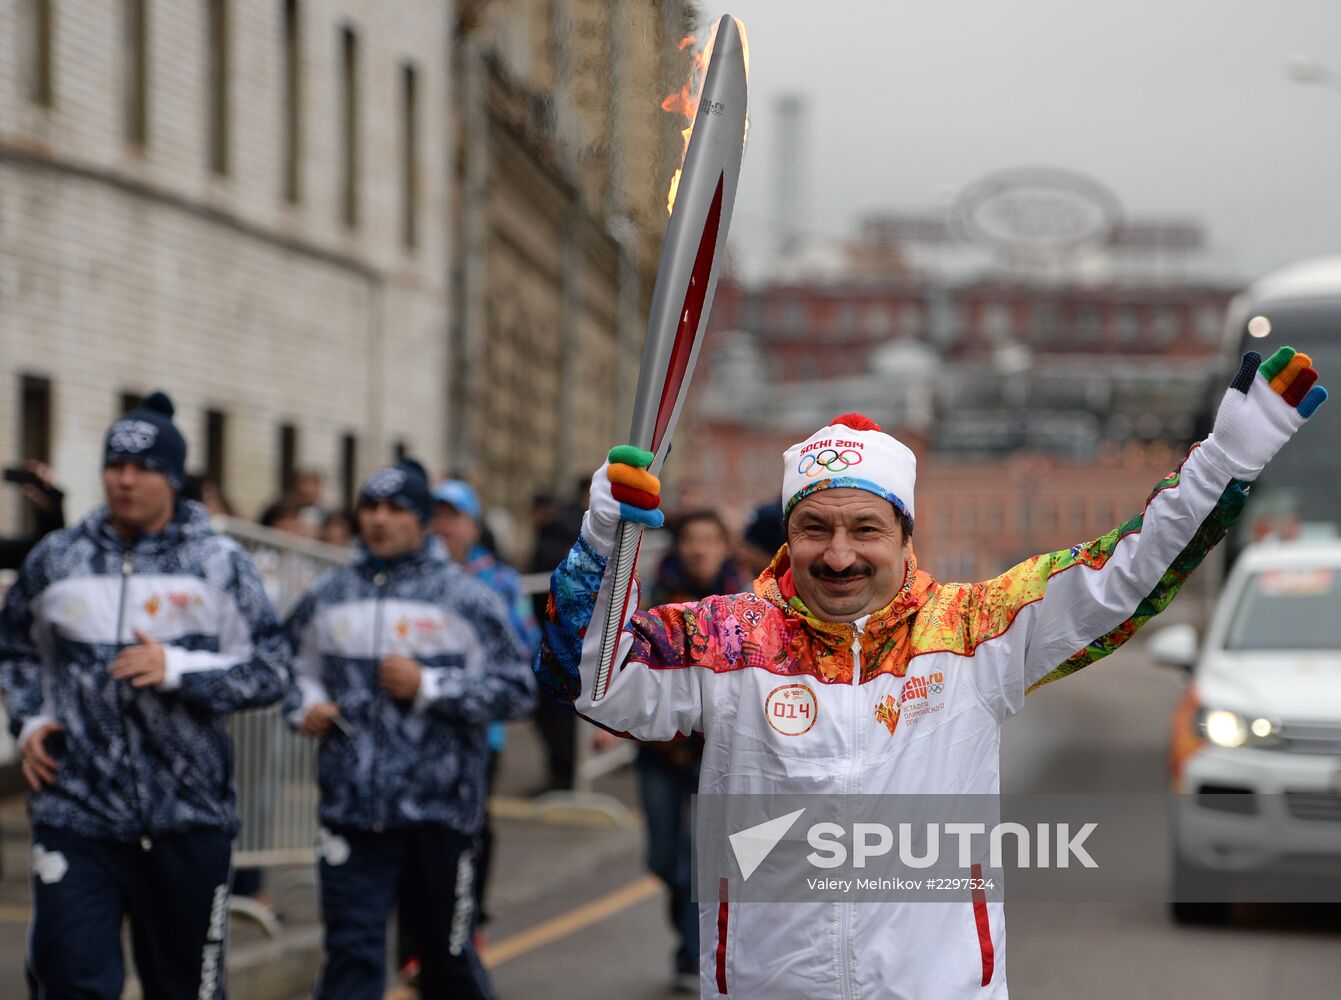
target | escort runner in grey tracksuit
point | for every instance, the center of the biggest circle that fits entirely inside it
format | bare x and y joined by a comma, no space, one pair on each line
122,651
409,659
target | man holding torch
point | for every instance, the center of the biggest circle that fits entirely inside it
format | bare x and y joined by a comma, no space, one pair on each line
821,680
846,633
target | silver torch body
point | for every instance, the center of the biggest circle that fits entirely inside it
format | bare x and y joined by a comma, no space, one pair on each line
691,259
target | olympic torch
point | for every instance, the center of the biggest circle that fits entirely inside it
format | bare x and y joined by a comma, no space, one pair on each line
691,258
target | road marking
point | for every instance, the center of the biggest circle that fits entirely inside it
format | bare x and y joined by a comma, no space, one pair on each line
572,921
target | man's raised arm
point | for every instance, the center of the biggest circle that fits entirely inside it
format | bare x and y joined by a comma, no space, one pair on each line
654,692
1059,612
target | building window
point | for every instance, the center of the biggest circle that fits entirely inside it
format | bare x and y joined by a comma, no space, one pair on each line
910,319
34,431
217,84
1126,324
996,322
1078,514
409,156
967,516
751,314
216,446
846,321
288,456
1208,324
130,400
293,98
35,44
349,470
135,46
1166,324
349,127
792,316
1043,319
1089,324
877,322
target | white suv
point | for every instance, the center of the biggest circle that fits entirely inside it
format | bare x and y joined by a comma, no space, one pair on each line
1256,741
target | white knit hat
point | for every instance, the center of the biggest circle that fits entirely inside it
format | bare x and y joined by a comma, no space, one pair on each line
850,452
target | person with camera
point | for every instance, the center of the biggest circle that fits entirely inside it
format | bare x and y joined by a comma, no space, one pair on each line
35,482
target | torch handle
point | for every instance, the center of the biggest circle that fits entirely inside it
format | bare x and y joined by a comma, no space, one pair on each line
628,538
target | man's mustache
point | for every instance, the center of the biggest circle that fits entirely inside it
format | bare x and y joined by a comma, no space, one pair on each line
855,572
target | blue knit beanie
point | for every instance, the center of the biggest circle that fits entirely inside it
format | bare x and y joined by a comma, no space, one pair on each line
405,484
147,437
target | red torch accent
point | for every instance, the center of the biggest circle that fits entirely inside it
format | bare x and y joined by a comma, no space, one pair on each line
689,315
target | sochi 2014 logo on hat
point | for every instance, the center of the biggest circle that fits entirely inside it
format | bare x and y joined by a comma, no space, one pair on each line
385,483
132,436
832,460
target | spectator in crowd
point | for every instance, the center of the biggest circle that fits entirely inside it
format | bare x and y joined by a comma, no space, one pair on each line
763,538
337,529
299,510
123,643
283,515
555,530
47,503
208,492
697,566
401,662
305,493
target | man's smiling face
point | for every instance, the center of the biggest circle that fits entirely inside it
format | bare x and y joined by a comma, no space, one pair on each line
848,553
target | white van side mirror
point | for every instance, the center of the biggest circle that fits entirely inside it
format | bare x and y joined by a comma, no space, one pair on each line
1174,646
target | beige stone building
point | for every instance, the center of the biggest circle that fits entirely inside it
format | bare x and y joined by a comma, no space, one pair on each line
565,158
333,230
244,202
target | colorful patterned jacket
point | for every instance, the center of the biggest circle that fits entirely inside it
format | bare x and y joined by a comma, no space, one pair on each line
138,761
406,763
910,700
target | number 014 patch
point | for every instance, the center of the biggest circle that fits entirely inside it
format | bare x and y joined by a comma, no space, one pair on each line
791,709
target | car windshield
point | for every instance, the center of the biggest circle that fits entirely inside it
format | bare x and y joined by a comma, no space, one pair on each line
1297,608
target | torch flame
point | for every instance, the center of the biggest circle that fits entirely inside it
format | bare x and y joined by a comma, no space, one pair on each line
685,100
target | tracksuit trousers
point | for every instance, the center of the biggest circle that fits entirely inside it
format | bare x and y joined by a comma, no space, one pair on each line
360,874
175,894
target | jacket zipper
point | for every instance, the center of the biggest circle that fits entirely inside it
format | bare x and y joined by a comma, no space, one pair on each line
123,706
845,936
379,581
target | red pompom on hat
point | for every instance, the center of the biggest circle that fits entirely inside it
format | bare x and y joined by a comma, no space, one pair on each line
856,421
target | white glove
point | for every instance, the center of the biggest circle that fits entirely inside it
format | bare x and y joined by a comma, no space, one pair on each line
622,490
1266,403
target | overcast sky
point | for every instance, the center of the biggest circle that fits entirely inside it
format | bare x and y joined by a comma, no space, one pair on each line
1180,107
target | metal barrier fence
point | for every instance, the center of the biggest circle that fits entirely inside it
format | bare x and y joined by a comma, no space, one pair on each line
276,767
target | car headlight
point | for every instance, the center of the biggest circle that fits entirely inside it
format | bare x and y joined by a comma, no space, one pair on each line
1231,729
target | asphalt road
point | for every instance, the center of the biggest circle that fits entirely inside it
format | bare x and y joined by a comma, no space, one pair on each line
576,918
1103,729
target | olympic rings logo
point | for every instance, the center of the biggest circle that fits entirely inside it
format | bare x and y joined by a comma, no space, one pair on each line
828,460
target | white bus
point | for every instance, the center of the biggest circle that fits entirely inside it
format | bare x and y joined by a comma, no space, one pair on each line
1299,494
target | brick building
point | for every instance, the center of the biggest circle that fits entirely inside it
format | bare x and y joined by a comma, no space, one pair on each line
1042,411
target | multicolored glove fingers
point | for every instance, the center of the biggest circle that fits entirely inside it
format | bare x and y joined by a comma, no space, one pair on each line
1289,374
636,489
